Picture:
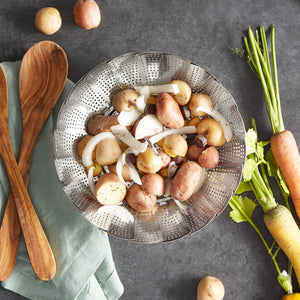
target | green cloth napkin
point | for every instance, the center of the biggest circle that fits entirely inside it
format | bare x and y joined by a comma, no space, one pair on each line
85,267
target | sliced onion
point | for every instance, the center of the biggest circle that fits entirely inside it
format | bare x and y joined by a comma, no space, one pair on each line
219,118
124,135
128,118
183,130
182,206
89,147
149,125
141,103
91,180
157,89
133,173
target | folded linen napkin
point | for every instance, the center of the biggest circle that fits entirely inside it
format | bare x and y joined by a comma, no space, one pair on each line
85,267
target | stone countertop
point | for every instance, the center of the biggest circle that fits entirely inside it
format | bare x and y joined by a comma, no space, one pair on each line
201,31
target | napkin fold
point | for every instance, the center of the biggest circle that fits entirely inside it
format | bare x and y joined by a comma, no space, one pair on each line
85,267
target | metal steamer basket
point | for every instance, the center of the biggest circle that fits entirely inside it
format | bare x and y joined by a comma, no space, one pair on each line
170,220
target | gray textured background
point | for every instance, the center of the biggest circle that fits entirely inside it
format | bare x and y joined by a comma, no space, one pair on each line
200,31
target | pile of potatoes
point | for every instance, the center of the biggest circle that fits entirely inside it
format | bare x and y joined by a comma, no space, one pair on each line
180,158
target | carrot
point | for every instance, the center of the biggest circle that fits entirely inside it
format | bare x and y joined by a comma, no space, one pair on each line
283,144
294,296
278,218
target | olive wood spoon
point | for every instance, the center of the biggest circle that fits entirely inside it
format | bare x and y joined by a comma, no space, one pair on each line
42,77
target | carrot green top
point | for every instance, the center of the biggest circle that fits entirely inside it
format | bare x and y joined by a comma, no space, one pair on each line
258,59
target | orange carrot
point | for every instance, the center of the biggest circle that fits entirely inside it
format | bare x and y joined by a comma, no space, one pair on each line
294,296
283,144
285,151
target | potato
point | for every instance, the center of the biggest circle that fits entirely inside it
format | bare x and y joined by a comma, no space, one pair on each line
110,190
165,158
48,20
101,123
153,184
168,111
199,100
108,152
125,171
209,158
185,181
81,145
86,14
125,100
140,200
210,288
194,152
212,131
184,95
176,144
148,162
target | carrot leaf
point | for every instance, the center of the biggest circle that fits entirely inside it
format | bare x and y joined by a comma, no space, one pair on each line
242,209
243,187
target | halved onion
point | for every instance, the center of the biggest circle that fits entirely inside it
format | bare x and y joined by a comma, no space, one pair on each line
149,125
128,118
183,130
89,147
219,118
124,135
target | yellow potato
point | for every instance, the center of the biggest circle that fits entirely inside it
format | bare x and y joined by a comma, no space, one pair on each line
148,162
176,144
199,100
108,152
48,20
125,100
184,95
210,288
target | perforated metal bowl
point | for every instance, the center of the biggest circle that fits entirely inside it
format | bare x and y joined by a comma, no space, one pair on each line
92,94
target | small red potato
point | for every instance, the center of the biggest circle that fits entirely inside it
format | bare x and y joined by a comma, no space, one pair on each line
185,181
209,158
168,111
140,200
210,288
165,158
194,152
153,184
86,14
110,190
101,123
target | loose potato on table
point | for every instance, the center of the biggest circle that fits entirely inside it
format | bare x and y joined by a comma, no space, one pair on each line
153,184
48,20
108,152
140,200
210,288
168,111
125,100
185,181
110,190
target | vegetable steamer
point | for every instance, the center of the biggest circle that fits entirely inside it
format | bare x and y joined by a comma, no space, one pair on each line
171,220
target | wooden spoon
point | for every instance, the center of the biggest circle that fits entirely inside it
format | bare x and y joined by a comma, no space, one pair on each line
42,77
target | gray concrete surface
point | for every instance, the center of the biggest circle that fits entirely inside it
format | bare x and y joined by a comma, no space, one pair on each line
202,31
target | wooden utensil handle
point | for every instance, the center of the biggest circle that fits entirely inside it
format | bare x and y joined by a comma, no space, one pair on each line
39,251
10,227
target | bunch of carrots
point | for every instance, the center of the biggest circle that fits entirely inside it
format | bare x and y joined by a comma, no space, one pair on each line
283,154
